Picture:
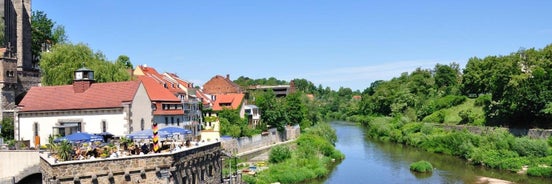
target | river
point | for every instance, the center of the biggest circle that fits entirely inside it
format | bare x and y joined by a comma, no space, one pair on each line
372,161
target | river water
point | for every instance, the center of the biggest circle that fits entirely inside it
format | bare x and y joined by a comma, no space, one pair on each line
372,161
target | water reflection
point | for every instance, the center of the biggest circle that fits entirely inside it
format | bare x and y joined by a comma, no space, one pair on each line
372,161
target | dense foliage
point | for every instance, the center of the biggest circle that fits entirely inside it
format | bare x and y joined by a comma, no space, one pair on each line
279,154
311,159
233,125
45,33
7,128
246,81
59,64
496,149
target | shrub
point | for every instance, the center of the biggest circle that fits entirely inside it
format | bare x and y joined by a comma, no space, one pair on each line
540,171
421,166
436,117
530,147
466,116
279,154
483,100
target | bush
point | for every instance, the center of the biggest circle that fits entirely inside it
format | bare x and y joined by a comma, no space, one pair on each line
436,117
279,153
483,100
540,171
421,166
530,147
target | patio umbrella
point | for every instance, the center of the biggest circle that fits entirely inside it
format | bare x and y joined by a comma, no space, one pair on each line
147,134
80,137
105,135
176,130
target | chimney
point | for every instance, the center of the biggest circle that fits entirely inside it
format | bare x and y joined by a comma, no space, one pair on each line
228,76
81,86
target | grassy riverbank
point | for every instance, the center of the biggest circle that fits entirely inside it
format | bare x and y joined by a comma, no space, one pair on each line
498,149
308,158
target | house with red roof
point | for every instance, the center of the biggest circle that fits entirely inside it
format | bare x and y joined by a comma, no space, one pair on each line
167,108
184,100
115,107
221,85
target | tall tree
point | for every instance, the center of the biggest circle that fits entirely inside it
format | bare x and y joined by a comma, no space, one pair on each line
271,109
44,33
123,61
58,65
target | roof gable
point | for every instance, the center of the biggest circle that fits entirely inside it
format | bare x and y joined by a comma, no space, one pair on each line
231,101
156,91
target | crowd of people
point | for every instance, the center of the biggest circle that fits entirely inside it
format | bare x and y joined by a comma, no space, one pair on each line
89,151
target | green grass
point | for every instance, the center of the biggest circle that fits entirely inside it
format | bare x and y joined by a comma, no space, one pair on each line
421,166
451,114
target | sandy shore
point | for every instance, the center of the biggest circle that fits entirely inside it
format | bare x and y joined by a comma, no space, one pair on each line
487,180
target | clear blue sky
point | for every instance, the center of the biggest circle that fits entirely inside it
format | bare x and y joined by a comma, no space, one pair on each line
334,43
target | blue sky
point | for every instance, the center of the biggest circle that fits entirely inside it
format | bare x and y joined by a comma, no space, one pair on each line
334,43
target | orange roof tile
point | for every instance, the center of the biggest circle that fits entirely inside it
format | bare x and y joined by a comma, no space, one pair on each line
234,99
156,91
98,95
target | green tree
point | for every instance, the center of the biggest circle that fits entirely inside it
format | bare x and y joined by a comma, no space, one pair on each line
294,108
2,37
123,61
7,128
271,109
446,78
44,32
59,64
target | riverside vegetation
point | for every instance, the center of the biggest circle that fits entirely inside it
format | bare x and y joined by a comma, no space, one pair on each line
311,157
498,149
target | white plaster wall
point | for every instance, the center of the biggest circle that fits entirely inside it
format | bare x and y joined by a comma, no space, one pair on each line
91,123
141,109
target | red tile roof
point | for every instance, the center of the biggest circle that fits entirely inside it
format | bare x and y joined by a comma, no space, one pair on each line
234,99
156,91
171,84
99,95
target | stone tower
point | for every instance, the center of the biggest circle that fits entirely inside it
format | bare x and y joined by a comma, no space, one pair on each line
17,70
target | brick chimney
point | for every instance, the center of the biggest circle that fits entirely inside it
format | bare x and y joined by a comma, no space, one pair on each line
81,86
84,78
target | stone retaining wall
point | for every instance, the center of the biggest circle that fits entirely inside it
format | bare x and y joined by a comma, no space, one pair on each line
244,144
199,165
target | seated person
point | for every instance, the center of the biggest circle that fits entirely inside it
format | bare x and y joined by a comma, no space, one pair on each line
145,149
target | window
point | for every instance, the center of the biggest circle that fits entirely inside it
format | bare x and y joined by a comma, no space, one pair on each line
142,124
177,121
172,120
166,120
35,128
104,126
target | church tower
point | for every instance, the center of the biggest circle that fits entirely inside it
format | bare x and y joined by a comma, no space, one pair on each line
18,72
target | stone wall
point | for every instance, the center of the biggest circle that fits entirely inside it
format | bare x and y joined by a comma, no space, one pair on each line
199,165
244,144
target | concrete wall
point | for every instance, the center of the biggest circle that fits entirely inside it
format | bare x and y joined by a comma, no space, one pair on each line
20,163
199,165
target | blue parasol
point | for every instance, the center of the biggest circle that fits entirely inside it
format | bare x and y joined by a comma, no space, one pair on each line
80,137
176,130
147,134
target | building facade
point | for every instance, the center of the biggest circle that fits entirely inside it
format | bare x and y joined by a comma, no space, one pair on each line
115,107
18,70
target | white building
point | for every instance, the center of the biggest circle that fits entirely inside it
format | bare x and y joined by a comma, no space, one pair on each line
115,107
